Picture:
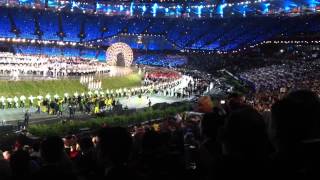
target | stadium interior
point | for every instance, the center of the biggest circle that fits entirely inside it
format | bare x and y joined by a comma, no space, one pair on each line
159,89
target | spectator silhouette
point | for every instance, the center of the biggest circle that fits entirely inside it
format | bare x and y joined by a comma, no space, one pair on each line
86,161
205,104
114,148
5,171
35,154
296,123
56,165
245,146
236,101
160,158
20,163
210,150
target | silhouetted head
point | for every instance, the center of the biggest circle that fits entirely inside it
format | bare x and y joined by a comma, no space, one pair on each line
114,144
152,141
85,143
52,149
20,163
296,118
236,101
36,146
245,132
205,104
211,123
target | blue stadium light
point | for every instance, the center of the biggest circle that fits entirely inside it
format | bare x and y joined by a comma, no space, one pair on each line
74,4
289,5
144,8
220,9
199,10
98,6
313,3
131,8
167,10
266,8
243,10
121,8
52,3
287,8
154,9
244,13
23,1
178,10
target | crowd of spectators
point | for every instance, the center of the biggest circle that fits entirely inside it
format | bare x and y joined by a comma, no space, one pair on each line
234,64
287,76
268,78
217,141
161,60
273,82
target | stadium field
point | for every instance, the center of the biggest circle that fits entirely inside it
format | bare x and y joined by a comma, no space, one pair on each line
52,87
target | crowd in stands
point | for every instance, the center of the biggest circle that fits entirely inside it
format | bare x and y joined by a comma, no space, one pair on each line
288,76
235,64
270,83
161,60
141,42
221,141
268,78
185,34
69,52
